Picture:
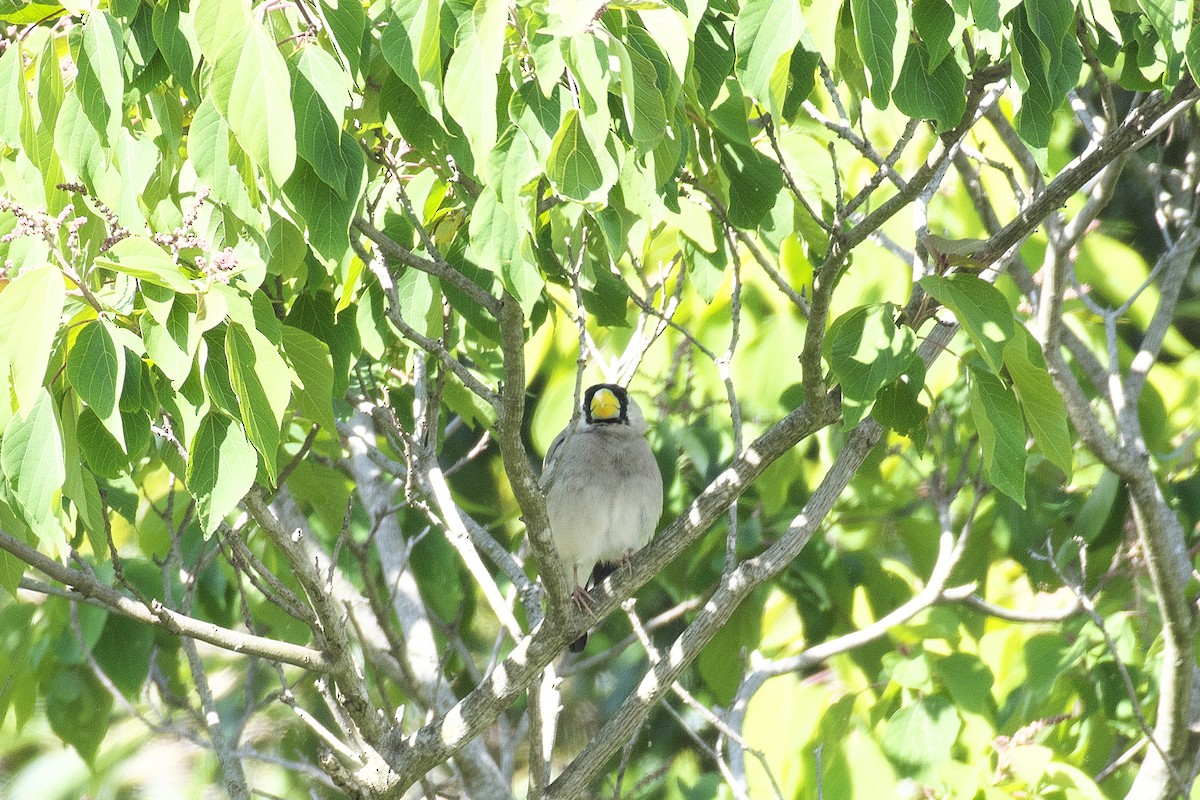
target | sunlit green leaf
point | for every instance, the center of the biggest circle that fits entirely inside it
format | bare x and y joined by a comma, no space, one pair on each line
919,737
96,370
573,169
346,20
925,91
10,97
1001,428
175,35
320,96
875,26
262,382
101,82
644,110
221,468
313,367
412,45
980,309
208,145
221,24
141,258
32,463
867,351
470,84
251,88
1040,400
1046,62
766,33
30,307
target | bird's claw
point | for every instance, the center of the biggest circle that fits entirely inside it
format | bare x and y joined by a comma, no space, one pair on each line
582,599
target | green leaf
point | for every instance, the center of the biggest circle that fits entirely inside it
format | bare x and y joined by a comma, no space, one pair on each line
667,81
802,78
208,146
313,366
980,309
471,75
221,469
645,113
898,405
1191,51
573,168
96,370
1001,428
713,57
754,183
719,663
588,60
1043,405
172,345
78,709
79,485
221,24
934,23
32,462
78,144
919,737
1093,516
925,91
346,20
875,32
1171,21
325,211
412,47
101,451
216,374
123,652
138,257
1046,62
175,35
11,82
30,308
12,569
706,271
866,351
499,241
252,90
415,293
607,300
512,165
262,382
101,82
320,94
767,32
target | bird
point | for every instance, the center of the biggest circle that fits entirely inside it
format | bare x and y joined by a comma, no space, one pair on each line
604,491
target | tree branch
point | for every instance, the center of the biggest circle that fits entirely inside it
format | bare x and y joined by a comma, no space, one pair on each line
83,586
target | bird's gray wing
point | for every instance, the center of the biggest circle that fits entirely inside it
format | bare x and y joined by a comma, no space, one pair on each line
551,459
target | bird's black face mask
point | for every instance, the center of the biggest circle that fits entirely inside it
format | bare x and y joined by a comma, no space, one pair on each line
606,403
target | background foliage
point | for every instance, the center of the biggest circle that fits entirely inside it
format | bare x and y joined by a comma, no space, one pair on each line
294,294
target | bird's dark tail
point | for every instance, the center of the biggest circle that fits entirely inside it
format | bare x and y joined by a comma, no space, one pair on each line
600,571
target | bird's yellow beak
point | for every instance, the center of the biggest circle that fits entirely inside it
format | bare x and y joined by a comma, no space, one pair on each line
605,405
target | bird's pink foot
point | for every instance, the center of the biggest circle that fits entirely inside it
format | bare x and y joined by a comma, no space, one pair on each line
582,600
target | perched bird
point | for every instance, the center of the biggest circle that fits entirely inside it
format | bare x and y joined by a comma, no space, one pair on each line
604,491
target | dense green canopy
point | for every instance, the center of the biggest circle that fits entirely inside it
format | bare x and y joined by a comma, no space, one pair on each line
296,294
